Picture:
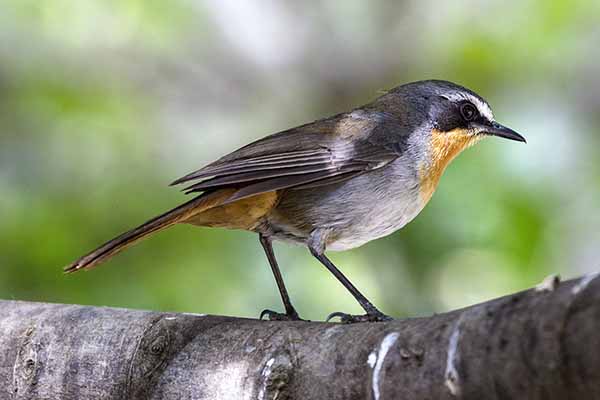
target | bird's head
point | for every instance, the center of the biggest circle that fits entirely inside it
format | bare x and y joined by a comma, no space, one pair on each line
444,119
447,108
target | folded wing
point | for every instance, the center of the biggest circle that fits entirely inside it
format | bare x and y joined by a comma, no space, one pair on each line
311,155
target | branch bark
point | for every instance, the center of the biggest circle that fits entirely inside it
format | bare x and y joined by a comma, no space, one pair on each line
538,344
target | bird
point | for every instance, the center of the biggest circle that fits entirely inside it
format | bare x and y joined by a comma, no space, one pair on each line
333,184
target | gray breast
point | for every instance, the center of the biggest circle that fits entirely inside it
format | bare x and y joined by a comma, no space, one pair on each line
354,212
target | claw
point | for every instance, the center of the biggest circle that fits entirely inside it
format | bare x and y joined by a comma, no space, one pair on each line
275,316
267,313
337,314
350,319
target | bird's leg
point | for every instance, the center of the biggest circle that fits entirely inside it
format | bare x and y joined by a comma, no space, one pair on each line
373,314
290,311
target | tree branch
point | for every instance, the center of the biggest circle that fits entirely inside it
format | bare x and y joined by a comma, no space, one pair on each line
538,344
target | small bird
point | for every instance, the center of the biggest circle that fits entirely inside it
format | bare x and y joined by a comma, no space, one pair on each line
332,184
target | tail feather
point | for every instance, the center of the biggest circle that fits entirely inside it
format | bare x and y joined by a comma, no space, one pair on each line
116,245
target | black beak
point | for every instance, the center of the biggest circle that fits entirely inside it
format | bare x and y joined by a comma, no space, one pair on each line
495,129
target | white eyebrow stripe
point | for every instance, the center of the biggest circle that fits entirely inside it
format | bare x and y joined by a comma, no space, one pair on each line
484,108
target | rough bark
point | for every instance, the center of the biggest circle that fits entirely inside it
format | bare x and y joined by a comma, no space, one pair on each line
538,344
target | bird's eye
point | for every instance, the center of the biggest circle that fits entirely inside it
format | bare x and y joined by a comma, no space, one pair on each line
468,111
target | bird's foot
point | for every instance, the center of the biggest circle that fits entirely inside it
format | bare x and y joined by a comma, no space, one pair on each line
351,319
275,316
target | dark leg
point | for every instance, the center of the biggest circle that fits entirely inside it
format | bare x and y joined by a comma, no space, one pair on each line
373,314
290,311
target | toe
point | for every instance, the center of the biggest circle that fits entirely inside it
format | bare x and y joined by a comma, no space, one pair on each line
269,314
379,317
275,316
351,319
342,316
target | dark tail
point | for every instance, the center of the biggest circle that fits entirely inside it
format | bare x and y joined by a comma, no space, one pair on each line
128,238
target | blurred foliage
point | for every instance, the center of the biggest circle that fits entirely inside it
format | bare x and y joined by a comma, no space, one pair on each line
104,102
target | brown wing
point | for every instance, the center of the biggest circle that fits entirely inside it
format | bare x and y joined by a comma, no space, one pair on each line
308,156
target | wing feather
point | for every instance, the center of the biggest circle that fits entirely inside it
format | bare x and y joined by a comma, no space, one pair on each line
291,159
253,175
285,182
308,156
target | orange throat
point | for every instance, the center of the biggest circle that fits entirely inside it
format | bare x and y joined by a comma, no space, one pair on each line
444,146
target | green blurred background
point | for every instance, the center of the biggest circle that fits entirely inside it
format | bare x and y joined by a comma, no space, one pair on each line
103,103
